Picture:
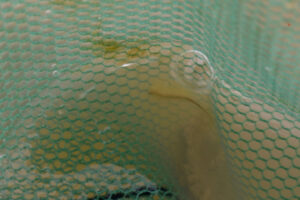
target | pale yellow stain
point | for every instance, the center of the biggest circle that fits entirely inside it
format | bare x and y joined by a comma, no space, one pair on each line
172,89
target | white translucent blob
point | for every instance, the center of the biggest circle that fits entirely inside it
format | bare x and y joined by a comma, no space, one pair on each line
194,70
55,73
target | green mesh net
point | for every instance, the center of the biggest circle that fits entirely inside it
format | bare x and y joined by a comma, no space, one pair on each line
145,99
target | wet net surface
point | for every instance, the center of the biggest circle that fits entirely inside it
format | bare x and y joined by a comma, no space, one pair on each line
101,100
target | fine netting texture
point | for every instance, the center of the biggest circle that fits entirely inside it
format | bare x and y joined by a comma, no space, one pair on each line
155,100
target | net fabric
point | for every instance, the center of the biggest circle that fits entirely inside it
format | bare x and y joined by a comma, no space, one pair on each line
254,47
77,120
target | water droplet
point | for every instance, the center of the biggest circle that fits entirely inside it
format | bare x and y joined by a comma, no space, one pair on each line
193,69
269,69
53,65
55,73
48,11
27,145
128,64
104,130
33,135
82,95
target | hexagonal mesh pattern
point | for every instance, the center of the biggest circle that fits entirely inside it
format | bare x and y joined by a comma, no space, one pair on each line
118,100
